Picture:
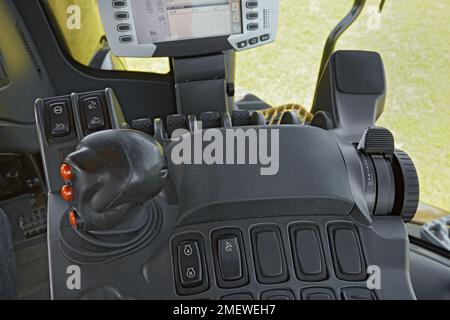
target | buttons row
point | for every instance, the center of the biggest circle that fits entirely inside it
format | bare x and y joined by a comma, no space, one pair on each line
122,16
312,293
60,117
253,41
252,15
269,256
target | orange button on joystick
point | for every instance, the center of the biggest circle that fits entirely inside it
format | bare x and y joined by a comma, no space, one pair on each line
66,193
73,219
66,172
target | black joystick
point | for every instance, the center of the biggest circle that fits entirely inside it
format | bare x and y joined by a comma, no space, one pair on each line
113,173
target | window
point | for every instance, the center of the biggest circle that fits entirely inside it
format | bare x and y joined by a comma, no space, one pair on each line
413,39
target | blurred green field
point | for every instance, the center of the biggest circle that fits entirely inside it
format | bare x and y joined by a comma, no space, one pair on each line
414,41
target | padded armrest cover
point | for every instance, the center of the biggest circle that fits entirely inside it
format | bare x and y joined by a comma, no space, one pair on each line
308,157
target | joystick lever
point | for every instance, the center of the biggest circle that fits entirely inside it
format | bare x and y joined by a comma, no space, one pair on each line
110,175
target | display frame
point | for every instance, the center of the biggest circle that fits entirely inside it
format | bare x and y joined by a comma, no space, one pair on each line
266,21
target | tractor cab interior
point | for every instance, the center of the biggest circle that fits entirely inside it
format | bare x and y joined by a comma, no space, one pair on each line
319,214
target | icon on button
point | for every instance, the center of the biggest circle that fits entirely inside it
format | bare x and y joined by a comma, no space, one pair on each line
57,110
60,126
95,121
228,247
92,105
188,250
191,273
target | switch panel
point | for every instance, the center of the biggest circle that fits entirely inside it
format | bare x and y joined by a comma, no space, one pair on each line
229,258
268,254
191,275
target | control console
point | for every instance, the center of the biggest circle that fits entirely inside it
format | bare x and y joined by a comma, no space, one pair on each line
141,225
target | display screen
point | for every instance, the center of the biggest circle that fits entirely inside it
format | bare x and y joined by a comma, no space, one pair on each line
169,20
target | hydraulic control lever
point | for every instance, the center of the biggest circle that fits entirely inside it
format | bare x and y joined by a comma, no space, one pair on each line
350,97
111,174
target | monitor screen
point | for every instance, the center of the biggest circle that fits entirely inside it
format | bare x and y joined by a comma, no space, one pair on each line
170,20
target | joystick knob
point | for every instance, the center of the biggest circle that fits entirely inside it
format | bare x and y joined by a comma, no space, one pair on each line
112,173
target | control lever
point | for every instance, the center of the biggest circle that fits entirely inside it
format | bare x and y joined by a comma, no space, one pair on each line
112,173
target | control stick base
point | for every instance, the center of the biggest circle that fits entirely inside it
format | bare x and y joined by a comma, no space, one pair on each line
99,247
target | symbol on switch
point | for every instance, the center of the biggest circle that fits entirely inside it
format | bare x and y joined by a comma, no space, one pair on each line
92,105
58,110
60,126
95,120
228,247
188,250
191,273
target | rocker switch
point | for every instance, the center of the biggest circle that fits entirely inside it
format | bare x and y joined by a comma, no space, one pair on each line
190,265
230,258
93,111
58,114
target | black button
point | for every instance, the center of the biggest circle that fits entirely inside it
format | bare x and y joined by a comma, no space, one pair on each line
280,295
307,252
242,44
238,296
354,293
252,15
317,294
119,3
145,125
121,15
268,253
252,26
229,258
58,114
264,37
126,39
191,275
347,253
94,115
124,27
252,4
253,41
176,122
189,264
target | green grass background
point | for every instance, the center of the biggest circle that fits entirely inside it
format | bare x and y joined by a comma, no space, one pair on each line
414,41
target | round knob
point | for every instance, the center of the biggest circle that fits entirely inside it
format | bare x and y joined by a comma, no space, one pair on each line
113,172
406,186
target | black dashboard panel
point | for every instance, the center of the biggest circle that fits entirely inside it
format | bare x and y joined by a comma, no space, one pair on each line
249,248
